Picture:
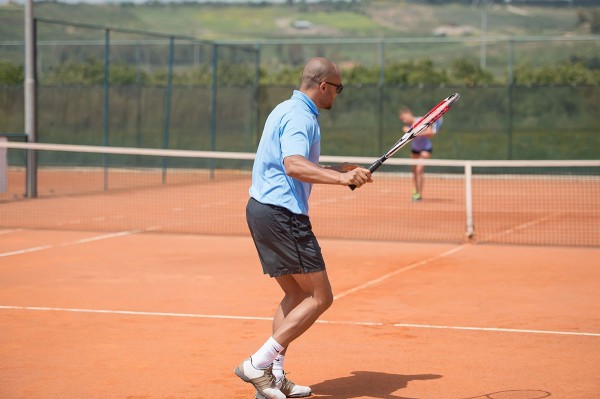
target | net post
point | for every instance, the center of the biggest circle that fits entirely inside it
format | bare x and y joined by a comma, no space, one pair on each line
469,199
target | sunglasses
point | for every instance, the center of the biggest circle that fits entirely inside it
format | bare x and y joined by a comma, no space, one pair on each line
338,88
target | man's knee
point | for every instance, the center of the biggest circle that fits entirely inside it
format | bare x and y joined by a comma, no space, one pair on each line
317,286
325,300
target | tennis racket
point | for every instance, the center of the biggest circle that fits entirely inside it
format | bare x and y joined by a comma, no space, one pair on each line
433,115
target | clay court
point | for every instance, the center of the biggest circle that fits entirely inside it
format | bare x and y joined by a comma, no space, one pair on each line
90,309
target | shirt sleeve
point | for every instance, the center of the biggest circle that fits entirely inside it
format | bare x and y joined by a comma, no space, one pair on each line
437,126
295,138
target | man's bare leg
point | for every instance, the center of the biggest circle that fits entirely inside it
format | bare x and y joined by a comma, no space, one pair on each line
295,316
294,295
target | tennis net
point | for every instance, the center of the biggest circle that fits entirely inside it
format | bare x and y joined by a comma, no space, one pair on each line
175,191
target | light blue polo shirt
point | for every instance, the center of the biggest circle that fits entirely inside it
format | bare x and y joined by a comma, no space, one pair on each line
292,128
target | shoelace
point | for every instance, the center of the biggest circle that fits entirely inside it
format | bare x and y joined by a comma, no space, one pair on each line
286,385
266,381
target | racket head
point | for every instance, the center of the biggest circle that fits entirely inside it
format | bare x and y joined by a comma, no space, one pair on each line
433,115
436,112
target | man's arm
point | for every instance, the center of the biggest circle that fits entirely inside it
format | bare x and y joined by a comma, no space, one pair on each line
300,168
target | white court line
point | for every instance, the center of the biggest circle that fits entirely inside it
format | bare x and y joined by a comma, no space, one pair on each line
101,237
66,244
25,251
8,231
169,314
402,270
521,227
352,323
513,330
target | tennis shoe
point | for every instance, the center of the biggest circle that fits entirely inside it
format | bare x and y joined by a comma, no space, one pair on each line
416,197
262,379
289,389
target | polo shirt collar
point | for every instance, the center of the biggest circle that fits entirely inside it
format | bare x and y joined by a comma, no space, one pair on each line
298,95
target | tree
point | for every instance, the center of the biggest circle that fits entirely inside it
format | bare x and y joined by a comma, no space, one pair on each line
11,74
469,73
566,73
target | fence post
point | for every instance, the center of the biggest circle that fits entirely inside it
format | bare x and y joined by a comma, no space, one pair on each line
511,91
168,105
469,199
213,106
138,86
106,100
256,100
380,86
30,98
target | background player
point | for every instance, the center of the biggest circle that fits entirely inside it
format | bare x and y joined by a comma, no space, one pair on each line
421,147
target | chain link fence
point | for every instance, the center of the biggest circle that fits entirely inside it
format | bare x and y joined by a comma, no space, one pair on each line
167,91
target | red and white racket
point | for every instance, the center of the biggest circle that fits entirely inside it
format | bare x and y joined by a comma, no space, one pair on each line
433,115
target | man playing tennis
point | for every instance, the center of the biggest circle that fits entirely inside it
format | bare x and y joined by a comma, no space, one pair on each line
284,171
421,147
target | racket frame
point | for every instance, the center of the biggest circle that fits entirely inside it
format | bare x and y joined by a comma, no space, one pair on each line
429,119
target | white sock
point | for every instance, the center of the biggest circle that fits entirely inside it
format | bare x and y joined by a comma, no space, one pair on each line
278,367
264,357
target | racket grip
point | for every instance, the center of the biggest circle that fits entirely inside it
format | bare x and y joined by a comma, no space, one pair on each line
372,168
376,164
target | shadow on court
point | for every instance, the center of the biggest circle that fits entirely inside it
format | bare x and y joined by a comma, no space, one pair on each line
383,385
514,394
367,384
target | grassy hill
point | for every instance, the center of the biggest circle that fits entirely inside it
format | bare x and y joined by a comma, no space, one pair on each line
371,18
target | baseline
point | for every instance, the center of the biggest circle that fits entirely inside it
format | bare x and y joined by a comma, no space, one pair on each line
258,318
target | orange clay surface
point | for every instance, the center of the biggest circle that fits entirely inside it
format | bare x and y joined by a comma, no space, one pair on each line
101,315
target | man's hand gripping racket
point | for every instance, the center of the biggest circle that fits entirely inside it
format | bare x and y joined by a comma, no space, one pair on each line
426,121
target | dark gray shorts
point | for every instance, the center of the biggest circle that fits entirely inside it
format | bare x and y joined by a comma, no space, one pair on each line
417,152
284,240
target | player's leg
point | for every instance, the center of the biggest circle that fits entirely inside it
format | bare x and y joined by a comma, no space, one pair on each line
420,173
311,278
307,296
416,194
319,298
294,296
288,250
257,369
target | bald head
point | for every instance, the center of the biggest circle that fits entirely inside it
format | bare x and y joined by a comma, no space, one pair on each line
318,70
320,80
